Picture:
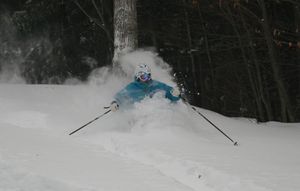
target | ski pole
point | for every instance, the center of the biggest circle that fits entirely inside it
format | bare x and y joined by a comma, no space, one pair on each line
235,143
90,122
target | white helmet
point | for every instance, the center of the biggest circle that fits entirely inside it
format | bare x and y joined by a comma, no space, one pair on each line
143,72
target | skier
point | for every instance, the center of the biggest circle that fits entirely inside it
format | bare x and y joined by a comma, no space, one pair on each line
142,86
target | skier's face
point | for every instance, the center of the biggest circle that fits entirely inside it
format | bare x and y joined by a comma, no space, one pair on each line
144,77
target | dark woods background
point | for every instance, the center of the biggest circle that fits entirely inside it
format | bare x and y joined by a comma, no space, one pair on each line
236,57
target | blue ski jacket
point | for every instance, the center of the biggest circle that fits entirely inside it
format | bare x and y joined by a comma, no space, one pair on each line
136,91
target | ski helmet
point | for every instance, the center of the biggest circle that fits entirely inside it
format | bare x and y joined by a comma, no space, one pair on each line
143,73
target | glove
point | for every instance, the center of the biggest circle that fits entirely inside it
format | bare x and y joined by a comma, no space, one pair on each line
175,92
114,106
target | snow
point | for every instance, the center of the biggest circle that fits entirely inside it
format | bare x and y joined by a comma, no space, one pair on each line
155,145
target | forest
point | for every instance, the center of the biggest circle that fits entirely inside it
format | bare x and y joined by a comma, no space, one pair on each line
240,58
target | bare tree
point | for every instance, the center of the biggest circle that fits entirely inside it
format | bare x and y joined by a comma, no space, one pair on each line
286,109
99,21
261,90
189,38
297,26
230,17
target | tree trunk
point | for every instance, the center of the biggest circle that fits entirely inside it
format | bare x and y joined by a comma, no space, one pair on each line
259,81
297,26
189,38
205,33
286,109
125,27
247,67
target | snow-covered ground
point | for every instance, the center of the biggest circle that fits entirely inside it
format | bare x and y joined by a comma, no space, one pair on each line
154,146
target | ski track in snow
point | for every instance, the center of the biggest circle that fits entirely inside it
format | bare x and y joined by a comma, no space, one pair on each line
156,145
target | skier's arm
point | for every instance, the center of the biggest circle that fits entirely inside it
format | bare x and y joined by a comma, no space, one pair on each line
120,97
170,92
171,96
123,98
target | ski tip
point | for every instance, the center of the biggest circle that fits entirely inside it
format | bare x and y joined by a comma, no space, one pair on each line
235,144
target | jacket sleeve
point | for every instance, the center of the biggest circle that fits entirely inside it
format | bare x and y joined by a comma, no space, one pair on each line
123,97
168,90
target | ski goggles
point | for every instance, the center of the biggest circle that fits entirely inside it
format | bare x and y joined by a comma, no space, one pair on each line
145,77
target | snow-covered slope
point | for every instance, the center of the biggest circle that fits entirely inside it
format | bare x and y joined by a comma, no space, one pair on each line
155,146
